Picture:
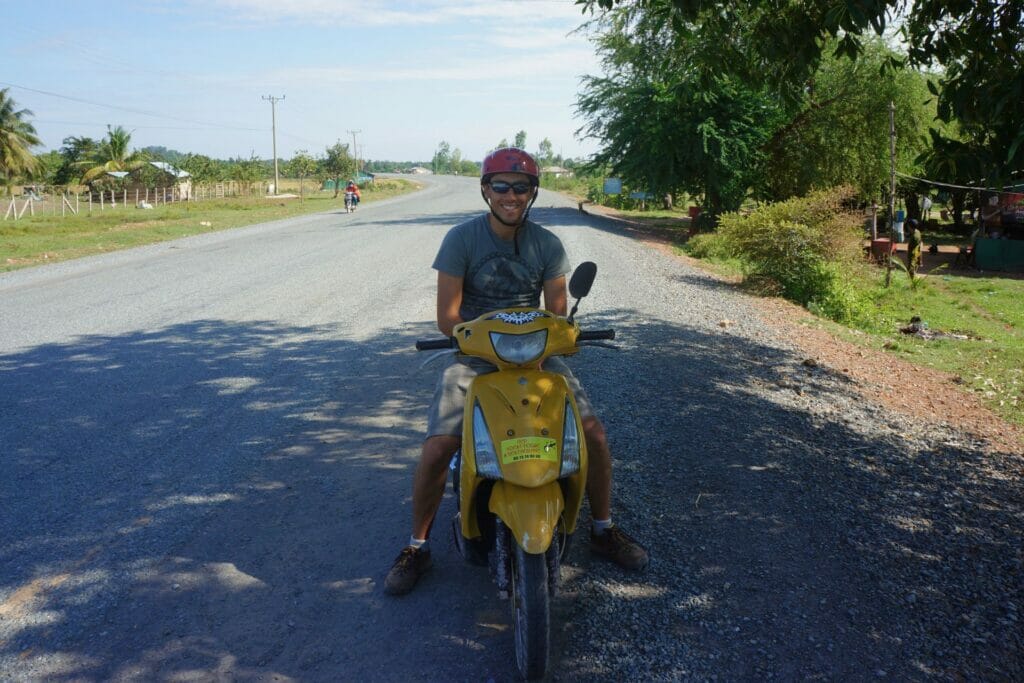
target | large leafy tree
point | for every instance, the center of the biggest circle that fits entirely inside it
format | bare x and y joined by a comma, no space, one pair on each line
74,151
663,128
977,45
204,169
337,163
838,134
302,165
17,138
113,153
442,160
980,46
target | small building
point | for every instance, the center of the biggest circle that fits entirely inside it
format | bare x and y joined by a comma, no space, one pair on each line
556,171
156,174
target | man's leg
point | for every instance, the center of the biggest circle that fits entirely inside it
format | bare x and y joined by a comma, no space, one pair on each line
429,480
606,541
427,493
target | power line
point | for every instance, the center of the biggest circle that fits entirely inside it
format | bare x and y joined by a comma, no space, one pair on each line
974,188
130,110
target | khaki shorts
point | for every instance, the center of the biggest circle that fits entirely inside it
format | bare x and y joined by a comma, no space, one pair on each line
445,416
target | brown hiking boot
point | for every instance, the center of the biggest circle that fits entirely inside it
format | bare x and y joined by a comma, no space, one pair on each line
619,547
409,566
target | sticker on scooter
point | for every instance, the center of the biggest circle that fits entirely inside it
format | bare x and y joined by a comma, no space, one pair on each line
518,317
528,448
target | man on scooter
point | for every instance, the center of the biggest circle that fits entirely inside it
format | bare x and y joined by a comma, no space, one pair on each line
501,260
354,189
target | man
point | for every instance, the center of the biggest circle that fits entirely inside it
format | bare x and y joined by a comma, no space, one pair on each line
354,189
500,260
914,241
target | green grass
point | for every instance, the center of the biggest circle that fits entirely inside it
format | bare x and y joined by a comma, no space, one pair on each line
32,241
988,311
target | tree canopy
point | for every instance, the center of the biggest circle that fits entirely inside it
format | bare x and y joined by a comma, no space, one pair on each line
977,46
17,137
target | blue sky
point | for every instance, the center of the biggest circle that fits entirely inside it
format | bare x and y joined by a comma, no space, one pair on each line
190,74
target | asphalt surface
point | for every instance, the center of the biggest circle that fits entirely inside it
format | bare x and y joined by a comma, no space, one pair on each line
207,446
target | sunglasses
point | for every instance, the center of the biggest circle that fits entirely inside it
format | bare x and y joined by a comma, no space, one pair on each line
501,187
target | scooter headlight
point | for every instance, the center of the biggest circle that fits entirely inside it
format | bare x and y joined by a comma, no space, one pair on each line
519,348
483,448
570,443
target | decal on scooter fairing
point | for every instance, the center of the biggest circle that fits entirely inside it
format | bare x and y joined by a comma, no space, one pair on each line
528,448
518,317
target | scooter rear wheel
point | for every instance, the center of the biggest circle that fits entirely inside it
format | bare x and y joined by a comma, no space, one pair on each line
530,612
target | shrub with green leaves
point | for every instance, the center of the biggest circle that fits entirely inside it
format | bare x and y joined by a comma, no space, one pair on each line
803,248
708,245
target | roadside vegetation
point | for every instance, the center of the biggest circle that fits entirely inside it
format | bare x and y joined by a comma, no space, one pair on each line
47,239
810,251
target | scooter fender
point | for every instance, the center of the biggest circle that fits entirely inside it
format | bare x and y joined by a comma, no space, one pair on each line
531,514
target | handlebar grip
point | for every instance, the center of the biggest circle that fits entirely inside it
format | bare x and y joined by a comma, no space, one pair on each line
430,344
595,335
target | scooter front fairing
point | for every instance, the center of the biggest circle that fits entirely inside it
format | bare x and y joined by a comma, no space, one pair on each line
521,428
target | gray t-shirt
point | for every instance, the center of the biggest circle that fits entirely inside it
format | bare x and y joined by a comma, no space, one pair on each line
493,274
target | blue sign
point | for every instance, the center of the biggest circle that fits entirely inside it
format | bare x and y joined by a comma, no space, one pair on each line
641,195
613,186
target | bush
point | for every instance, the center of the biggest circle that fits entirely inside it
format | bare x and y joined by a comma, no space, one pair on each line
708,246
806,246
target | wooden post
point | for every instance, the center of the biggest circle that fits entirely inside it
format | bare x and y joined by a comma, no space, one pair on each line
892,190
77,197
101,200
147,195
90,203
124,196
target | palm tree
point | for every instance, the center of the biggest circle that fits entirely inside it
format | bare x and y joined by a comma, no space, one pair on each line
112,155
17,136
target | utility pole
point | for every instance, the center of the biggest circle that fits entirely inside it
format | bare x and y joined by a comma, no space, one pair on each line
355,152
273,128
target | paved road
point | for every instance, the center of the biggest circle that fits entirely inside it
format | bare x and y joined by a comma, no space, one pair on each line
207,450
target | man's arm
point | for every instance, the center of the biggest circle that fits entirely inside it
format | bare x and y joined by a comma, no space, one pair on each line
555,295
449,300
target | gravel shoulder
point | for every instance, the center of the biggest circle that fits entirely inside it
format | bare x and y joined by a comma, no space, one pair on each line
805,519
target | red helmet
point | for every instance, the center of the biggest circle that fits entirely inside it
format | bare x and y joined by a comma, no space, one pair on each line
509,160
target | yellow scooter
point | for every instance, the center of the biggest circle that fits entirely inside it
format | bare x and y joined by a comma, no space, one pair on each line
521,473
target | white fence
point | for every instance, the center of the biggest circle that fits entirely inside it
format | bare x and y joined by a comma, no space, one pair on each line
72,204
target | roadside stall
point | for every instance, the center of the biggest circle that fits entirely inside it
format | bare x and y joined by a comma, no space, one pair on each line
1001,243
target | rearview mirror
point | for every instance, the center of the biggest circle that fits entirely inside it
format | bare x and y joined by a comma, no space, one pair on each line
582,279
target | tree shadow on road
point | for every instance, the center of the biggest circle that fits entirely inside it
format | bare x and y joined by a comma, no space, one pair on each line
221,499
795,532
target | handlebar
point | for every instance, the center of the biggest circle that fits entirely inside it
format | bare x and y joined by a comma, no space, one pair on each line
432,344
452,343
595,335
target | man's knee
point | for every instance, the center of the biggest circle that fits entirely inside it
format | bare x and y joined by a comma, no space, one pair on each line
438,450
593,430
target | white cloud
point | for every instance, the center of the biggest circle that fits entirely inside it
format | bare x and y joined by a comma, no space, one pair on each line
408,12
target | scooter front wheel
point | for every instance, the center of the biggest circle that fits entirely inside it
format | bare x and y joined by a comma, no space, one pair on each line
530,612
